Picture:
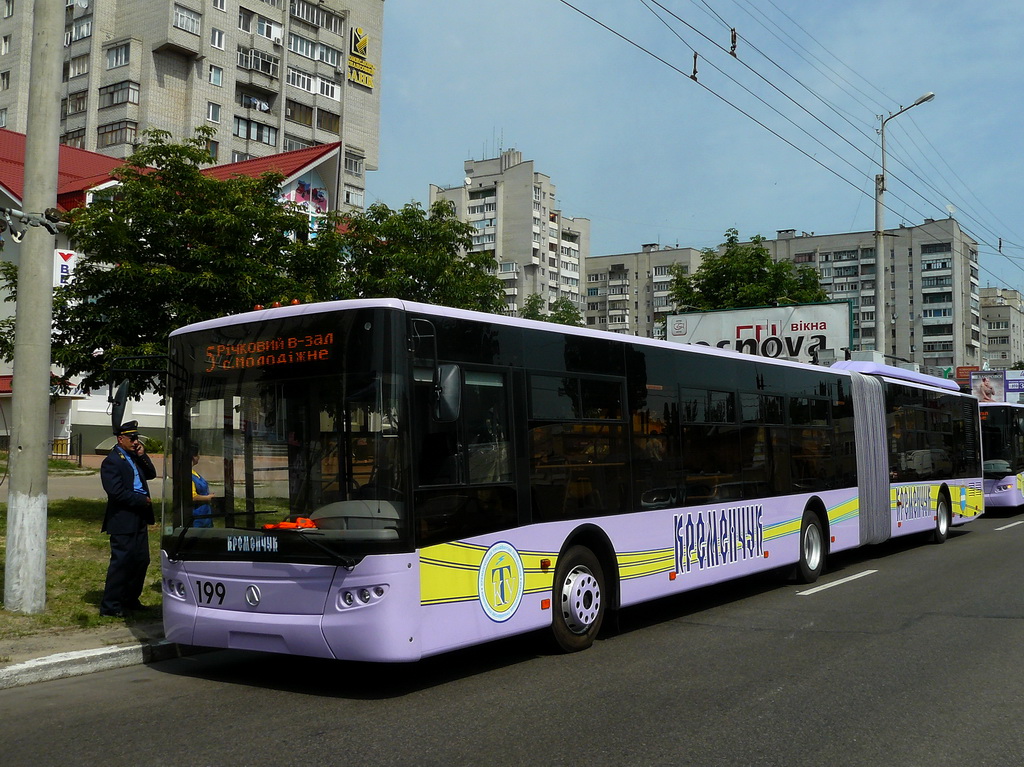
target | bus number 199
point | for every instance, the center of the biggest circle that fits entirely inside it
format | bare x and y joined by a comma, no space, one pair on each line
207,590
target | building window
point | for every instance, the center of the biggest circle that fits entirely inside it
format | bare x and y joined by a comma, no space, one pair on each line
82,28
328,121
5,45
328,88
79,65
268,29
8,8
74,138
3,117
237,156
217,38
120,132
328,55
119,93
216,75
936,247
218,5
5,80
291,143
250,58
74,104
300,79
118,56
188,20
353,164
248,101
245,20
298,113
354,196
213,147
212,112
250,130
302,46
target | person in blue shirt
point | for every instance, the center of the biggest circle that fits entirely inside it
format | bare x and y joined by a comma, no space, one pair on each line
124,474
202,512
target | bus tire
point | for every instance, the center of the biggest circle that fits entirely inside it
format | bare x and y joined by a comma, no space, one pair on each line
812,548
580,599
943,519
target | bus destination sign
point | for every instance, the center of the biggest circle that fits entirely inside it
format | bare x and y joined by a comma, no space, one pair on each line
281,350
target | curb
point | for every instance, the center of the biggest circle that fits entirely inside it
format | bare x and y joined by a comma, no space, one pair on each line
79,662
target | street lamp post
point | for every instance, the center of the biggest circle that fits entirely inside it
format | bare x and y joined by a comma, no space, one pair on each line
880,260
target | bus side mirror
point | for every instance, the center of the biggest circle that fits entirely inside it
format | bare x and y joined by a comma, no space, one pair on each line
447,393
118,399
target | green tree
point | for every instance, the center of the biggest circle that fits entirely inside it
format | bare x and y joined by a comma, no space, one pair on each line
416,255
169,246
533,308
743,275
563,311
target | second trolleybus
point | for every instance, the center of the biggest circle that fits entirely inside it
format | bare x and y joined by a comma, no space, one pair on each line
1002,447
395,480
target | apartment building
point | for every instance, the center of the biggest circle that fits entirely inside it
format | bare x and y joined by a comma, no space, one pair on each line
517,218
268,76
628,292
1002,321
918,303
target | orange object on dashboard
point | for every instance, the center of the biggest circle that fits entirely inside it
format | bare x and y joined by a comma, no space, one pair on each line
299,522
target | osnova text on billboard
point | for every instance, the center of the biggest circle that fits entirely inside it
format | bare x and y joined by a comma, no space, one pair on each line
792,332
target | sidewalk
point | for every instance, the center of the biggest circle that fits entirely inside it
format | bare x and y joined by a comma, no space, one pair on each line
44,657
73,652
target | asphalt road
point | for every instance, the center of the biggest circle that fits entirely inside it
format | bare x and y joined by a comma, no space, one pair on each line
911,657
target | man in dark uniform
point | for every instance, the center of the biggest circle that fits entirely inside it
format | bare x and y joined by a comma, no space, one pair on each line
124,473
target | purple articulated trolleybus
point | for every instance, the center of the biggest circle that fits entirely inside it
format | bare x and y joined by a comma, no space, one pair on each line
1002,446
395,480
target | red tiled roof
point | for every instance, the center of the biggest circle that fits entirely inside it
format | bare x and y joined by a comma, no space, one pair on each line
286,163
77,169
80,170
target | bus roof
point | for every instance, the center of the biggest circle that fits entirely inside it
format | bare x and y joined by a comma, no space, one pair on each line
890,371
298,310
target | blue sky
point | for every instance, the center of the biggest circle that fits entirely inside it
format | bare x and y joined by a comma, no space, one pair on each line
648,155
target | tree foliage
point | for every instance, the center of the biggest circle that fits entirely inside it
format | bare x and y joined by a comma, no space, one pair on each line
743,275
563,311
168,246
416,255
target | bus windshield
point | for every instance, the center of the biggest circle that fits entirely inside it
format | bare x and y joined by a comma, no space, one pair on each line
289,443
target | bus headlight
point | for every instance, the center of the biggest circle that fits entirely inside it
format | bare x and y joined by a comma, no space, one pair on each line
360,596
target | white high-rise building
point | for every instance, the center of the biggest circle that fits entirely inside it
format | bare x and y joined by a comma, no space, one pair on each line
517,218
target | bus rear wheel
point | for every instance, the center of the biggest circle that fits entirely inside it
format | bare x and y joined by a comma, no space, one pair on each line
942,520
812,549
580,599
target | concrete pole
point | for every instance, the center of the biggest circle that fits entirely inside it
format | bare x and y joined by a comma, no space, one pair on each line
25,569
882,308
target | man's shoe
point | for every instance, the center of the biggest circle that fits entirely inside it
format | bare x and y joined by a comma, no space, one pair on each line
111,614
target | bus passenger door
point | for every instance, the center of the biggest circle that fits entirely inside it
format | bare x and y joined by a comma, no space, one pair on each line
464,468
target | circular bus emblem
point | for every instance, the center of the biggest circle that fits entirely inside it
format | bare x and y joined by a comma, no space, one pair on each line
252,595
500,583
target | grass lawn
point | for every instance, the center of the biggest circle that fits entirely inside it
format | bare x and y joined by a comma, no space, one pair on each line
77,554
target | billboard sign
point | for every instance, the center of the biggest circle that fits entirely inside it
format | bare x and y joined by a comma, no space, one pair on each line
798,332
988,385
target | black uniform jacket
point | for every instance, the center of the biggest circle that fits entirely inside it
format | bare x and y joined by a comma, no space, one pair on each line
127,510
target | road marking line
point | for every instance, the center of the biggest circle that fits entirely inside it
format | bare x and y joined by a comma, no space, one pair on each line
841,581
1007,527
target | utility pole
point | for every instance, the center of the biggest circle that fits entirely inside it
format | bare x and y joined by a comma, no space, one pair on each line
881,256
25,569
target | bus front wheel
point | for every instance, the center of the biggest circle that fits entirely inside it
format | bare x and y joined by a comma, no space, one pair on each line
812,549
942,520
580,599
